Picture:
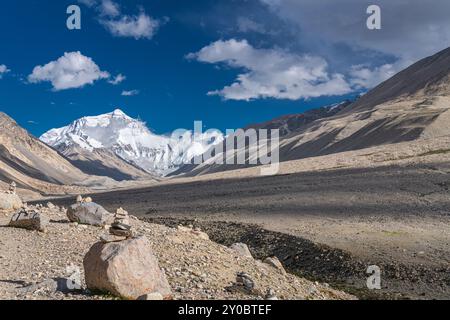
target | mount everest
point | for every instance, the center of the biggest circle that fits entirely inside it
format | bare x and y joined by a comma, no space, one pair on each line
130,140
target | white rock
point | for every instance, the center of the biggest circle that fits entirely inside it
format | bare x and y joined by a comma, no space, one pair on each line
275,263
197,233
10,202
241,249
50,205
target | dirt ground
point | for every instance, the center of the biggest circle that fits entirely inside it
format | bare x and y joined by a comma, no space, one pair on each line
33,265
387,215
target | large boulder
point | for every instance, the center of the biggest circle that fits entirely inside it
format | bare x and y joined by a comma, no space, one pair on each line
10,202
127,269
89,213
29,219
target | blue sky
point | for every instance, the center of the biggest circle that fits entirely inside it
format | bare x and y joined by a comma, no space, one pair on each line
228,63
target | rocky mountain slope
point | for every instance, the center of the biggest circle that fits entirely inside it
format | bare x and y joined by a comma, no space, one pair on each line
291,123
412,105
103,162
429,77
129,140
286,125
37,168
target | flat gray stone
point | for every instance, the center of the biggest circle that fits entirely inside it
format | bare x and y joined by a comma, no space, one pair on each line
30,220
89,213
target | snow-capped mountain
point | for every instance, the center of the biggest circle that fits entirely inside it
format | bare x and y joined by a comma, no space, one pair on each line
131,140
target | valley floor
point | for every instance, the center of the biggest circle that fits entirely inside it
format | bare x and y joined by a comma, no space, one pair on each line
398,216
388,206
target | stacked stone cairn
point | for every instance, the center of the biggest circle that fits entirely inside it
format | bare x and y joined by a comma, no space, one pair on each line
12,188
120,230
121,226
80,199
9,200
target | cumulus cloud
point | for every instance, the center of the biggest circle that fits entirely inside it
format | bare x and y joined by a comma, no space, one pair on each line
73,70
363,77
411,29
117,79
139,26
271,73
109,8
130,93
3,70
336,30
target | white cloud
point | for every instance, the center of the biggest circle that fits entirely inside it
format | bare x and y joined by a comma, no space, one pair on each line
272,73
367,78
411,29
130,93
73,70
109,8
117,79
3,70
139,27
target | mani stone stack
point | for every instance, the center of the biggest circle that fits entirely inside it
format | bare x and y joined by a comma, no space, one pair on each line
121,226
80,199
120,230
12,188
